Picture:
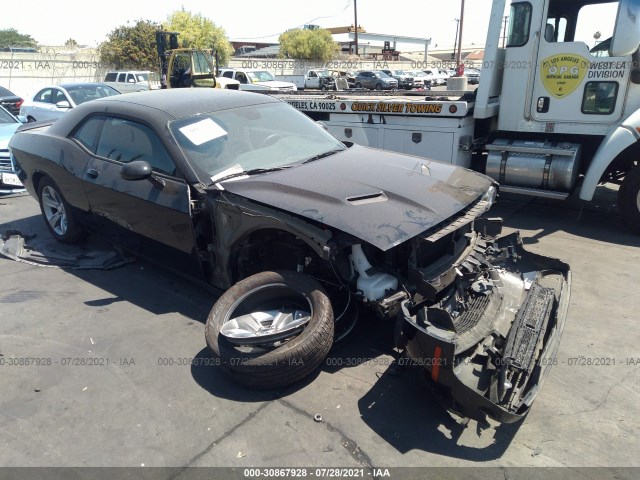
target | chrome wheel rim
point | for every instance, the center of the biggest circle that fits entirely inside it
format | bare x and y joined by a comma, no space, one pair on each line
54,210
267,326
638,201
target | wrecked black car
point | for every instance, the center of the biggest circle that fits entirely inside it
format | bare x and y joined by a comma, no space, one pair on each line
247,194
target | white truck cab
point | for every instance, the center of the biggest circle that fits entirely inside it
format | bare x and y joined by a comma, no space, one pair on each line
254,80
127,81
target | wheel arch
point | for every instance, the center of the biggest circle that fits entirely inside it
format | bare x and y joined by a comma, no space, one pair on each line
615,149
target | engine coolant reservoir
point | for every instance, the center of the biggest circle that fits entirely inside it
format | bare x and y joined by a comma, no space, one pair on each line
373,287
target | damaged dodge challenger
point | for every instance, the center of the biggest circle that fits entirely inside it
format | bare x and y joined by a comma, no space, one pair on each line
294,228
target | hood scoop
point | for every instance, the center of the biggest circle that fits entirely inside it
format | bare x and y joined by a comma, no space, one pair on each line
368,198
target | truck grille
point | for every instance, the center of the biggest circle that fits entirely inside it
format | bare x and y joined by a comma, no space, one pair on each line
5,161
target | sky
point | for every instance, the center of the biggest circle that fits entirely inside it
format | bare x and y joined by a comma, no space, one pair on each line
254,20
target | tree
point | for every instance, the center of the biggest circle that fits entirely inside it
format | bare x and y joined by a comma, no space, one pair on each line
71,43
131,47
197,31
10,37
308,45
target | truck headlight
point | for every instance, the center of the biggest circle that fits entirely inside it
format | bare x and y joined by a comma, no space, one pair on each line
490,197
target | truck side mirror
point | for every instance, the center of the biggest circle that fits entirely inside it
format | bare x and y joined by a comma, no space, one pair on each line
627,31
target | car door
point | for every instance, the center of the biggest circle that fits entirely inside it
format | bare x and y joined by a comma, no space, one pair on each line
152,215
42,106
313,81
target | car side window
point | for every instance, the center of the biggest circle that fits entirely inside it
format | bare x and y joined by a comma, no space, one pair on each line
228,74
57,96
43,96
125,141
121,77
87,133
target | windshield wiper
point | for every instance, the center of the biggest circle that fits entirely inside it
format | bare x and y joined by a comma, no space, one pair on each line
253,171
322,155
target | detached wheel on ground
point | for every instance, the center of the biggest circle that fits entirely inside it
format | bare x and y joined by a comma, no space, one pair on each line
629,199
57,213
271,329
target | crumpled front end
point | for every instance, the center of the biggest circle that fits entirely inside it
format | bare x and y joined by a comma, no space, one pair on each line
486,319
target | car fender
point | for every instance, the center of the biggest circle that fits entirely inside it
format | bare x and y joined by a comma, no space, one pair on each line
618,140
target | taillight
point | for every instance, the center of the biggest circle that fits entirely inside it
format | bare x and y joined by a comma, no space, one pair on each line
19,103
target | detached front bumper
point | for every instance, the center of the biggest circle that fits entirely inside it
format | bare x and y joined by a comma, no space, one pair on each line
491,331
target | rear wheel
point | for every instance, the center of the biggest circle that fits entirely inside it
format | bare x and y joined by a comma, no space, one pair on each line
629,199
378,86
271,329
57,213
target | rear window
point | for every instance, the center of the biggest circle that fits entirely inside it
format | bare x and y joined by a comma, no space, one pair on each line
5,93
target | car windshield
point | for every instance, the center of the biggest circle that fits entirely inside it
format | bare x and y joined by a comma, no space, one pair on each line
324,73
267,136
6,117
261,76
83,93
381,75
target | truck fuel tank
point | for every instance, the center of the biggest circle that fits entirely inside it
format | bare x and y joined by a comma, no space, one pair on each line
535,165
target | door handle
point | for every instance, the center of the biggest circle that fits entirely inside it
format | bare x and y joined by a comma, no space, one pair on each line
91,173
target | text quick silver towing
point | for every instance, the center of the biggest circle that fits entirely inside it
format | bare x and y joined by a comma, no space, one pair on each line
553,115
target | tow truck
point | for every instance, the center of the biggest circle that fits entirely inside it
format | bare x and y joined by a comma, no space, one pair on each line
551,117
188,67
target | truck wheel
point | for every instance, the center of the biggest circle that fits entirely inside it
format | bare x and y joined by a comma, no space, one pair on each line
57,213
271,329
629,200
358,85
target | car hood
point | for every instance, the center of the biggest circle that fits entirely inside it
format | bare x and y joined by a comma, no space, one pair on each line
6,131
381,197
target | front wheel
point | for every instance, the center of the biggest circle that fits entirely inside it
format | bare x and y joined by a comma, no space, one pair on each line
629,200
378,86
57,213
271,329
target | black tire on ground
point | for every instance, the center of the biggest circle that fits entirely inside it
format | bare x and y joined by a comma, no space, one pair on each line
57,213
358,85
378,86
288,362
629,200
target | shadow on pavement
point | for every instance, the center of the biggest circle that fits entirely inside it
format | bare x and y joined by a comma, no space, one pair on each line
597,220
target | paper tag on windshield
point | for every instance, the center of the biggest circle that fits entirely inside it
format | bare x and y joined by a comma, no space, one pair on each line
203,131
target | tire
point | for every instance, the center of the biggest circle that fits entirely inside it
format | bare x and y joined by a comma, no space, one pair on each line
629,200
283,362
378,86
358,85
57,213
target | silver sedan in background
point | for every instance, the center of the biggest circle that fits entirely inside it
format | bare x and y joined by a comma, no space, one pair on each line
54,101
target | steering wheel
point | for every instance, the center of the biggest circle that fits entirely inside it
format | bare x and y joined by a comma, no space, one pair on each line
271,139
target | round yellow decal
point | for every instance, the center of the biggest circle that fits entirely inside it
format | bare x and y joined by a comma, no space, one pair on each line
562,74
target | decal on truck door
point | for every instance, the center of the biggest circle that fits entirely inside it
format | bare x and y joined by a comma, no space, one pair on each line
562,74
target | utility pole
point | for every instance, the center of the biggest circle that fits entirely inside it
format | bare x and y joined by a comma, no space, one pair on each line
459,56
355,12
455,41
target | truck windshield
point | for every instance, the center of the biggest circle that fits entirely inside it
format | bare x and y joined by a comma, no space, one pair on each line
265,136
261,76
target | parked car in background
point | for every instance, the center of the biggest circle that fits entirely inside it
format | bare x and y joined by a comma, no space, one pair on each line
128,81
375,80
405,79
435,76
473,75
9,181
256,80
10,101
444,74
348,75
54,101
420,79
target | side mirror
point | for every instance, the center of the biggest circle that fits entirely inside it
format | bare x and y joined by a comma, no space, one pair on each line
63,104
626,38
131,80
136,170
22,118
